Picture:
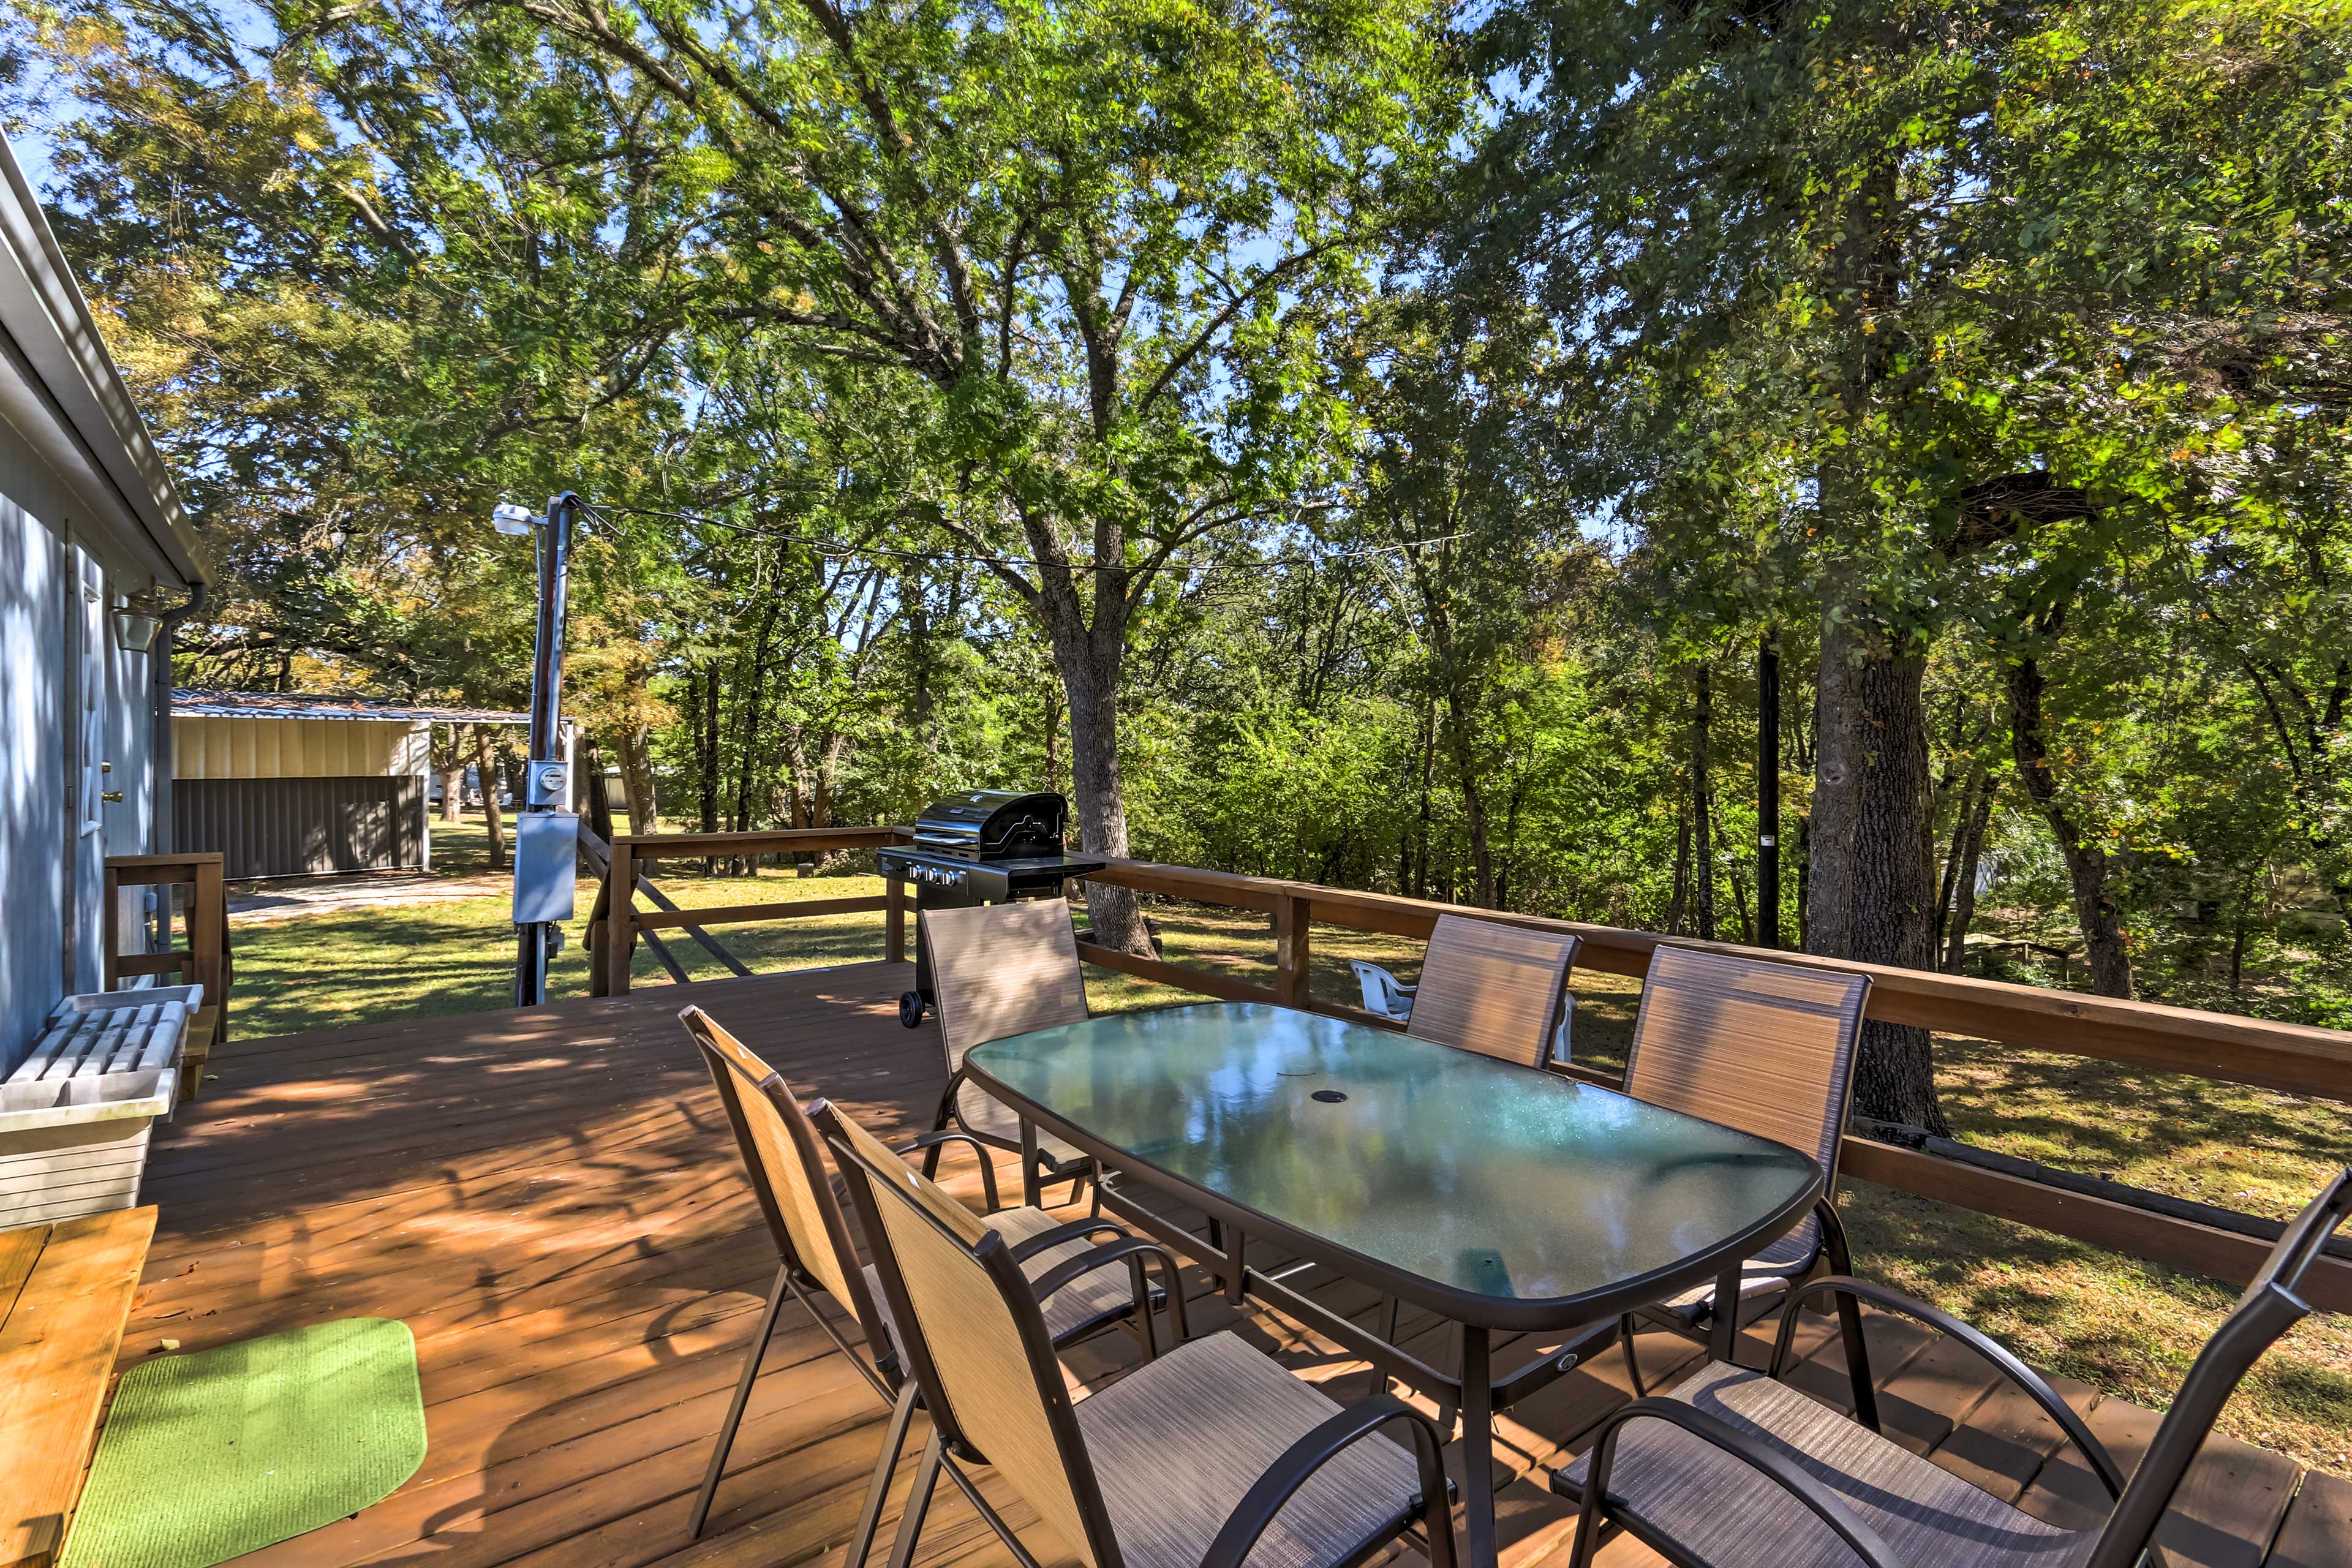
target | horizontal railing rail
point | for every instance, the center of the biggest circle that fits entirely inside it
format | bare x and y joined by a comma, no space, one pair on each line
2287,1058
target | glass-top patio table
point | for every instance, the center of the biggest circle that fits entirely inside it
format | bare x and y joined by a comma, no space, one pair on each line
1505,1198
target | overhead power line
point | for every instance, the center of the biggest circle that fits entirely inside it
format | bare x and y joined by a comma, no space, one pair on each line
836,549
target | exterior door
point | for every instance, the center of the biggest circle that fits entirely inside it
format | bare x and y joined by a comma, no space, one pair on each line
87,751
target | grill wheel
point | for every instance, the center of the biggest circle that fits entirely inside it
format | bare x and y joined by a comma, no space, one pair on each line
910,1009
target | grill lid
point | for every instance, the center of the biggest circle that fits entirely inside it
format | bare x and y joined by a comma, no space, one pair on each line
993,824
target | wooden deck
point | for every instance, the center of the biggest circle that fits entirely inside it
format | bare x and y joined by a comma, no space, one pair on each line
550,1200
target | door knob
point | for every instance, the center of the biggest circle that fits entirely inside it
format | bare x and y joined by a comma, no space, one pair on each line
112,795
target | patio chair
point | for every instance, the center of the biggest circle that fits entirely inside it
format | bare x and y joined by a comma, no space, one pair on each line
999,970
1491,988
1767,1048
795,1195
1736,1467
1386,996
1207,1458
1498,990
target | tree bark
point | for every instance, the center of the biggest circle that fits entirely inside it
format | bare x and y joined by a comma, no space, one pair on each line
489,776
637,778
2088,869
1873,878
449,761
1090,664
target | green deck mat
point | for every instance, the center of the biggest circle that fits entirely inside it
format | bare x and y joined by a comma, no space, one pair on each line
209,1455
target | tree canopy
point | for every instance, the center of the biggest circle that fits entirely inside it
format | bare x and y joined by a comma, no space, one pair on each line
1365,442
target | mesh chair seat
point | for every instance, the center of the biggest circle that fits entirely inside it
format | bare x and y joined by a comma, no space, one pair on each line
1179,1442
1669,1484
1761,1279
980,1113
1101,1297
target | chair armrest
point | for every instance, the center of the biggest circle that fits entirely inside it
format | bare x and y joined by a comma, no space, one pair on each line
1076,1231
1300,1461
941,1141
1762,1457
1850,1289
1134,1251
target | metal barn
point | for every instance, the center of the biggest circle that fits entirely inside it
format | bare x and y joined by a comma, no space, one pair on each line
291,785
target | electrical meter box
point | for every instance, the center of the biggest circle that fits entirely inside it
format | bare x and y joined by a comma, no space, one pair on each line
546,866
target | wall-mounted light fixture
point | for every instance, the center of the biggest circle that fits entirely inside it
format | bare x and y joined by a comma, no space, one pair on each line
136,623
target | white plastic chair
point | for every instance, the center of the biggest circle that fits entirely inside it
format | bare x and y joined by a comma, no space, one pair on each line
1389,997
1384,993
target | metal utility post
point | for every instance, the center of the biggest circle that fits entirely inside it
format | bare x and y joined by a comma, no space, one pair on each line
546,831
1768,790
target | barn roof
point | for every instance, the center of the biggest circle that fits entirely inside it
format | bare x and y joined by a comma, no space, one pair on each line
189,703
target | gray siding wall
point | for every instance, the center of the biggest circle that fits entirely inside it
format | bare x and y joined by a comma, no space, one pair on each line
45,863
32,775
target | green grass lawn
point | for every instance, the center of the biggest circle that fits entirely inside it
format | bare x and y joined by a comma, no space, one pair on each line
2124,1325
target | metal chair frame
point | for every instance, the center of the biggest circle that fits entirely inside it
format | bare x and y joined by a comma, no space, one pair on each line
2268,1308
1250,1517
1038,1167
881,1366
1829,1239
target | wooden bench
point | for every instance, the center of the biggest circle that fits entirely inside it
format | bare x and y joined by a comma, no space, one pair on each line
65,1293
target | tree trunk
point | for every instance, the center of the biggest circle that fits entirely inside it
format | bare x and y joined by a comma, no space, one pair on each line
1420,888
755,713
912,594
2106,949
1702,837
637,778
1678,902
1090,677
1873,877
1804,881
1971,782
489,775
1474,805
449,766
2237,932
1964,889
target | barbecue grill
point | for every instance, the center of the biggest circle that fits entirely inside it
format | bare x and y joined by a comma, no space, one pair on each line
979,846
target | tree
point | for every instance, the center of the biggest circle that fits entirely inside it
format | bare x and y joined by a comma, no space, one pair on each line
1903,268
1101,239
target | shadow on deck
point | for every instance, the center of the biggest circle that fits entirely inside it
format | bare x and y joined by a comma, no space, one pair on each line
551,1201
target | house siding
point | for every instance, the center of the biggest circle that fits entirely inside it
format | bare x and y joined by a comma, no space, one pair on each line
49,867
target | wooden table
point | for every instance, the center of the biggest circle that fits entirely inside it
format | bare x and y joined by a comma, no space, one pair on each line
1505,1198
65,1291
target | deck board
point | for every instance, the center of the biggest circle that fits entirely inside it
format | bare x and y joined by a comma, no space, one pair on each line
550,1200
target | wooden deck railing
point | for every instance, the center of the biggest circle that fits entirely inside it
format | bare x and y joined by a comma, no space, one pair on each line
616,922
2287,1058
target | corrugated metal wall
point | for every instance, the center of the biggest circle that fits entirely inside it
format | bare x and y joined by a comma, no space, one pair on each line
295,748
297,826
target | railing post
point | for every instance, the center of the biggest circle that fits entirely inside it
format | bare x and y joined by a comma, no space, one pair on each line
110,906
620,925
894,921
1290,978
207,936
